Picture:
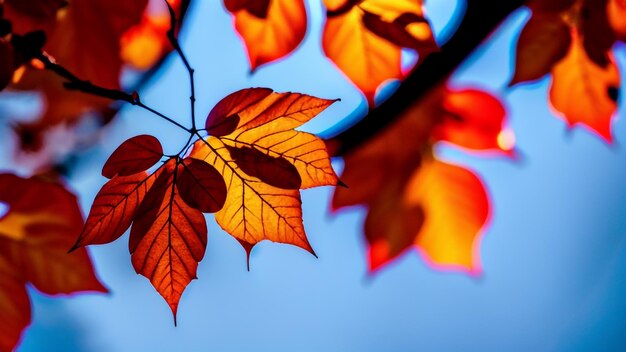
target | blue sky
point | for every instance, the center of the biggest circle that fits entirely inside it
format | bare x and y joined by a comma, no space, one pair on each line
554,257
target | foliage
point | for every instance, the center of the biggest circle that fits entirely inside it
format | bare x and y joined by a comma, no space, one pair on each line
249,162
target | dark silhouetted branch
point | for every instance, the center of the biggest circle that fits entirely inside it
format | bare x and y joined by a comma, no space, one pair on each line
481,19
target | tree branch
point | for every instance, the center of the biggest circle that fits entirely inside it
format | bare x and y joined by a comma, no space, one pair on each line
481,18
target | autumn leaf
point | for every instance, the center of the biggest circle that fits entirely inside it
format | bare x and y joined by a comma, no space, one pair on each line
168,234
134,155
249,171
144,44
85,39
458,209
584,92
14,305
42,221
572,39
114,208
365,39
201,186
270,29
31,15
263,201
168,238
415,201
544,41
616,14
474,120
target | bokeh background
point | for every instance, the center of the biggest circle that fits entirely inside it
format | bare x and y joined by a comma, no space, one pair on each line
553,255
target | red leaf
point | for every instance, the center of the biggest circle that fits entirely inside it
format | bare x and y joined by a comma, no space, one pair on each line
114,208
275,171
544,41
168,238
31,15
42,222
258,8
474,120
135,155
201,186
14,305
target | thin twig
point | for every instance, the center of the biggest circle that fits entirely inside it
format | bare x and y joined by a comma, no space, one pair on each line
77,84
171,35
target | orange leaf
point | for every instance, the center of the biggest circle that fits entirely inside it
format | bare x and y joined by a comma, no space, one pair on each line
201,186
270,29
42,222
616,13
584,92
168,238
544,41
144,44
415,201
457,209
365,39
264,121
134,155
114,208
585,81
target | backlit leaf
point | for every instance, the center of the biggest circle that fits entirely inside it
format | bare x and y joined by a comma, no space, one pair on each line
114,208
168,238
616,13
584,92
42,221
14,305
365,39
275,171
201,186
270,29
224,119
134,155
31,15
585,81
256,210
85,40
544,41
456,208
412,199
474,120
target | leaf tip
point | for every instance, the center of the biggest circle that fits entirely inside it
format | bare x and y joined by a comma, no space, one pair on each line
340,183
74,247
